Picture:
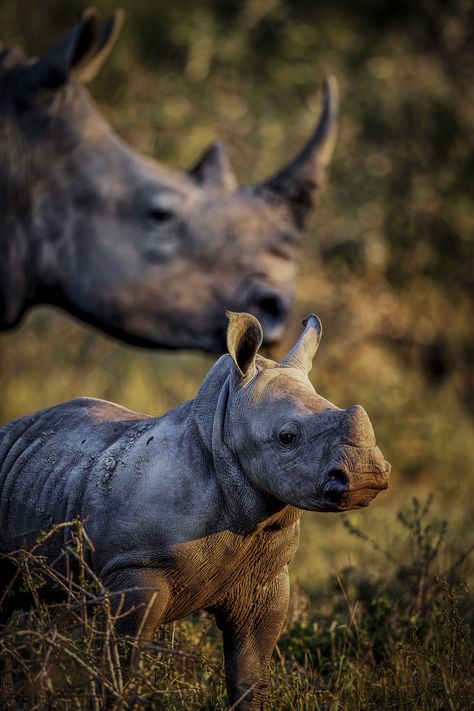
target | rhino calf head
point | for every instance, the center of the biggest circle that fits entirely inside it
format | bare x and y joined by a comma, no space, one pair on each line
293,444
149,254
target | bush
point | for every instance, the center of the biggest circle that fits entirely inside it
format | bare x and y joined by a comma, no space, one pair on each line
397,640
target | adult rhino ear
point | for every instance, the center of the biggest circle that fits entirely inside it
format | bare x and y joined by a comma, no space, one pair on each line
80,54
213,169
244,338
302,354
299,183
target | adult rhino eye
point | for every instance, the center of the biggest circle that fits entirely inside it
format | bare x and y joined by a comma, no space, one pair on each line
288,439
158,214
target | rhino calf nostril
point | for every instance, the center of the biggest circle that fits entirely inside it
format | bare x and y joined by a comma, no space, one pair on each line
336,483
337,475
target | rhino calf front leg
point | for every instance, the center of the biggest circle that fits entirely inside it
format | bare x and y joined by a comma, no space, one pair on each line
139,598
251,621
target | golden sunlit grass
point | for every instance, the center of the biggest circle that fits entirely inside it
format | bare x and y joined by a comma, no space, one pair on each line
394,639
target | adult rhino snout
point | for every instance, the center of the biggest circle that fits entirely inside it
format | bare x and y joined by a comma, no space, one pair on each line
271,308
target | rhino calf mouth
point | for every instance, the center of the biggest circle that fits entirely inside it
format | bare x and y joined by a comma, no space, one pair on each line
359,498
342,496
362,496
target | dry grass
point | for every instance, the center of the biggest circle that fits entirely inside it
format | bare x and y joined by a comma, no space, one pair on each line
401,640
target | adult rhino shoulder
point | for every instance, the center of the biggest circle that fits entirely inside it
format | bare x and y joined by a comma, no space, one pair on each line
148,254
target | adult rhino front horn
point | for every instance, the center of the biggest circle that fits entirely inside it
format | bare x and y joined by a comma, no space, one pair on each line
148,254
200,508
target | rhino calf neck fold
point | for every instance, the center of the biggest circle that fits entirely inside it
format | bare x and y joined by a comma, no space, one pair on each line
200,508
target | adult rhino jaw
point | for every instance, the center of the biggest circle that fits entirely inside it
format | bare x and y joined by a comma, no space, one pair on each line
198,509
151,255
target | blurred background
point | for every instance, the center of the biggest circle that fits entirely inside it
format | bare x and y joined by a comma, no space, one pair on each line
386,258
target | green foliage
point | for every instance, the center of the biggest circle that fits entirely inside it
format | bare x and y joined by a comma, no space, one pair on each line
401,639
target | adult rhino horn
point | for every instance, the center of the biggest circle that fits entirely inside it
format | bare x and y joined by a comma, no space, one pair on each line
300,182
213,169
302,354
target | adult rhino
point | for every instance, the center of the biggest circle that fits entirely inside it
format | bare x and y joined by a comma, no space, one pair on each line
199,508
146,253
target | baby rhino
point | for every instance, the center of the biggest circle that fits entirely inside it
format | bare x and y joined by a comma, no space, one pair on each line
200,508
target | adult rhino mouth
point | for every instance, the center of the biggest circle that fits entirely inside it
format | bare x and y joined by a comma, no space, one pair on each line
269,305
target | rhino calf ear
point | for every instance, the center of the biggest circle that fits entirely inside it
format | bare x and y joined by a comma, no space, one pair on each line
244,338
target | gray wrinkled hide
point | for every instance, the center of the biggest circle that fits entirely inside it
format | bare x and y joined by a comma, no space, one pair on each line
146,253
203,504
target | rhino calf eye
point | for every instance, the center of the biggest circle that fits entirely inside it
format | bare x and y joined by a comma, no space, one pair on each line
288,439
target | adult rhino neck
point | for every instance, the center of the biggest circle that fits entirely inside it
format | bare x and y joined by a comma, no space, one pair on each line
17,279
17,275
244,508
